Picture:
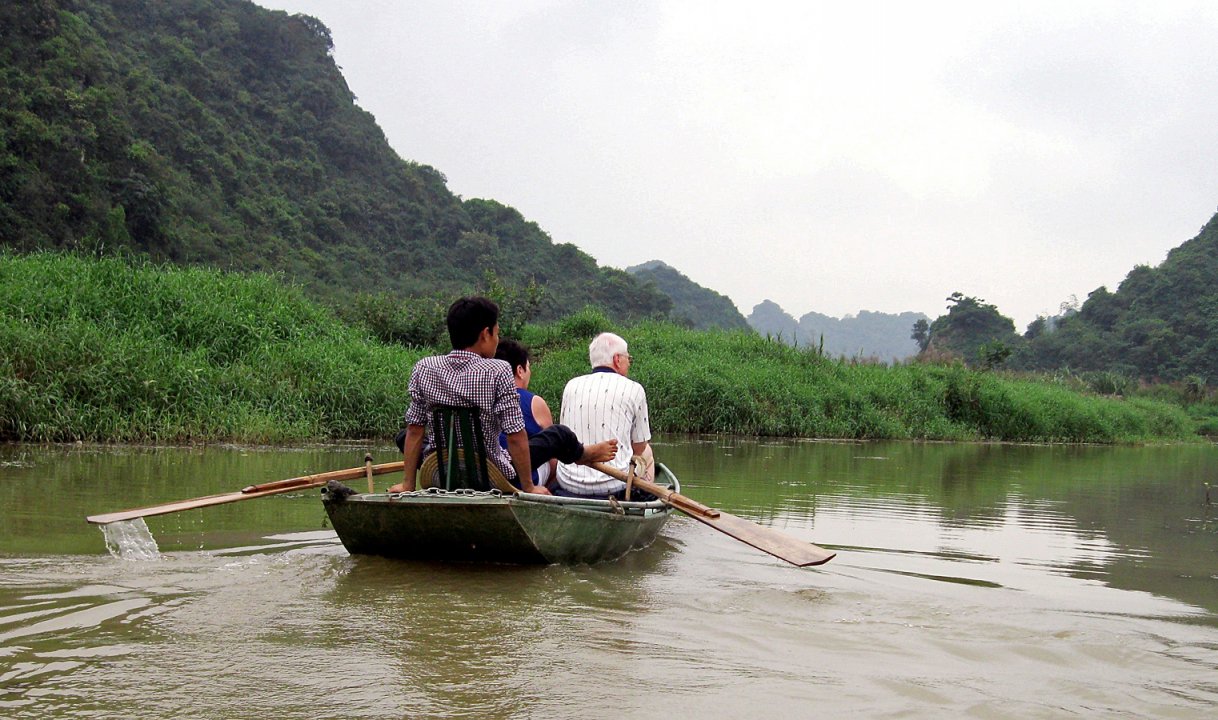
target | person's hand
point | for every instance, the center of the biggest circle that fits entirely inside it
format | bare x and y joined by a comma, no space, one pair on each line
603,451
539,490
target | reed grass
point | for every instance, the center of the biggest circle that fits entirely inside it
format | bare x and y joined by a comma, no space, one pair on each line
119,350
739,382
124,351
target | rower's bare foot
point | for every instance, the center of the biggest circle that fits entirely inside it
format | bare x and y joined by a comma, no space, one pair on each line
600,452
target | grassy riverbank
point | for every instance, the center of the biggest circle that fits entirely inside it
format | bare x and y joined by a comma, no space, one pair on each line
106,350
734,382
111,350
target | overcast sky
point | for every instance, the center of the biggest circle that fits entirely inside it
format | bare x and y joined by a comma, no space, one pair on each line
832,157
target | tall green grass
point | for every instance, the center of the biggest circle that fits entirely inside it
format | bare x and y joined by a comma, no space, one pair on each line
737,382
117,350
120,350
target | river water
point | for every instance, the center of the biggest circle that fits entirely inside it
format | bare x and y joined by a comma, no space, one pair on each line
988,581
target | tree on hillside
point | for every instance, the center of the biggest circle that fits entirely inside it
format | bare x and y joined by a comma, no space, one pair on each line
973,330
921,334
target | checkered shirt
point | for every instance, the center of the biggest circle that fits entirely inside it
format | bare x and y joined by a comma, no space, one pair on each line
465,379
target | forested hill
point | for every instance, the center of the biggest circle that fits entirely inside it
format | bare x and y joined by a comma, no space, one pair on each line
1162,322
217,132
698,306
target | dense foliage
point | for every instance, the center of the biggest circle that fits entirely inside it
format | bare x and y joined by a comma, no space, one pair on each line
692,304
113,350
1161,323
216,132
973,330
1160,326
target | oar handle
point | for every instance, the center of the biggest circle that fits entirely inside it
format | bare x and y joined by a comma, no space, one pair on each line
323,477
677,500
248,493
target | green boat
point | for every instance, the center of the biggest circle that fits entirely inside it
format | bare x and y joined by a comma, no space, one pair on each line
464,525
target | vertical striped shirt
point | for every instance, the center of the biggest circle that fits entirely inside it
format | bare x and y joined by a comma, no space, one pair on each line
598,407
466,379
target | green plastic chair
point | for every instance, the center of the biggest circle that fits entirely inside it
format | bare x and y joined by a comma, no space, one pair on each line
460,459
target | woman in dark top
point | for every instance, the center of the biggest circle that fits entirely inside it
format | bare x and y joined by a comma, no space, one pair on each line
537,415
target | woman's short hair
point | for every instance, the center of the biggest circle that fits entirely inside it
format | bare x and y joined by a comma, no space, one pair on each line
516,355
604,347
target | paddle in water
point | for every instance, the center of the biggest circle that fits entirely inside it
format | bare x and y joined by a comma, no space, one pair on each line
779,544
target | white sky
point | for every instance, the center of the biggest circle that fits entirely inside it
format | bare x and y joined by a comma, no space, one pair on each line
832,157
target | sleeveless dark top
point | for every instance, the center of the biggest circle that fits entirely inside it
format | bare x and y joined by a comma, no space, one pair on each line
531,427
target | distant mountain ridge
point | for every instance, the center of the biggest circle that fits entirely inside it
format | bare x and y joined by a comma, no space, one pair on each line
699,306
768,318
869,334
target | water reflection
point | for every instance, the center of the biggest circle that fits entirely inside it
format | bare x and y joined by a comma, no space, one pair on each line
1122,515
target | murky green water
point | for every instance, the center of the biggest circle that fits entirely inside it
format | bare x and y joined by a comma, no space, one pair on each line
972,580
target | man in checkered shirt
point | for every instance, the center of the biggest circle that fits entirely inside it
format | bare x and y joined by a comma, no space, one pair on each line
469,376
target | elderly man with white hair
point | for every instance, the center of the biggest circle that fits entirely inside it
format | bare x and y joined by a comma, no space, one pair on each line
602,405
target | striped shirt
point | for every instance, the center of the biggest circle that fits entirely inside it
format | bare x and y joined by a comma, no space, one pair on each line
466,379
598,407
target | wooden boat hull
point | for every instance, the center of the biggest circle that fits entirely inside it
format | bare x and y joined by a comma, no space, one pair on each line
492,528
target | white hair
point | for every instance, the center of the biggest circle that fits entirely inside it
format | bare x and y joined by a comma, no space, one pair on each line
604,347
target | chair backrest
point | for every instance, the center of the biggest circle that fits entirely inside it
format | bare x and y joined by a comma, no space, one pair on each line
460,448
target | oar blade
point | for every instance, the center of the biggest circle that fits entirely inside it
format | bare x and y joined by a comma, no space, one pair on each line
775,542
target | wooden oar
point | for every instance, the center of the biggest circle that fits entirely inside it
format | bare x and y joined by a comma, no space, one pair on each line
249,493
774,542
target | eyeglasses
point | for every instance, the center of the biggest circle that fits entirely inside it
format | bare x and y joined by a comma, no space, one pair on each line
627,356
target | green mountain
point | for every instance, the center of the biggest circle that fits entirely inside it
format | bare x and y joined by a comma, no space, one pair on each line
693,304
1161,323
215,132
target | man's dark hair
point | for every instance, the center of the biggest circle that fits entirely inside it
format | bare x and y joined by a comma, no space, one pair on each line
516,355
467,317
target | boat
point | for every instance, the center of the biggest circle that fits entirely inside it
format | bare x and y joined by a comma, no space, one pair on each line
469,512
490,526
